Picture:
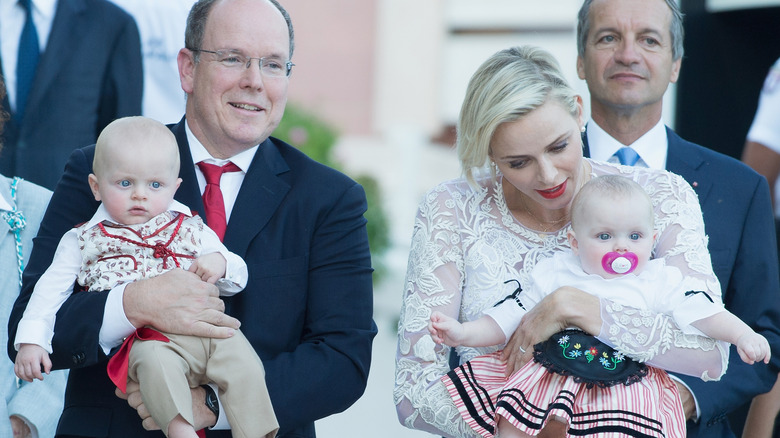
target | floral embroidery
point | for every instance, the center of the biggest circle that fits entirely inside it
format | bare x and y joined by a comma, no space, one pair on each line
590,354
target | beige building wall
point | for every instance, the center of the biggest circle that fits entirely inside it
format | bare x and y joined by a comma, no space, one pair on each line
335,60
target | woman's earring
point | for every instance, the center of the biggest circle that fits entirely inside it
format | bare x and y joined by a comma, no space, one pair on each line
582,128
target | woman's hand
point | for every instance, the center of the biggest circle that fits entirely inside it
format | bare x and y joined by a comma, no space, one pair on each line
565,307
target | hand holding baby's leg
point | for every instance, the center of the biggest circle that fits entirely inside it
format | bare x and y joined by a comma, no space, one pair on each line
29,361
753,347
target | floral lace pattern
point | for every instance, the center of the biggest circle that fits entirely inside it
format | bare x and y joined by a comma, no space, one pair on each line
466,244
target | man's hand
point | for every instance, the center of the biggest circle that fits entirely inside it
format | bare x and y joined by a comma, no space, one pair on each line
178,302
565,307
20,428
202,415
689,404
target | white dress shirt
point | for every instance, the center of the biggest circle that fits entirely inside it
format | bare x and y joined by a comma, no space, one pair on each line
651,147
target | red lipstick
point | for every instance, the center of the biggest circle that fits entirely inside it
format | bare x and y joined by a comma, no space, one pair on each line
553,192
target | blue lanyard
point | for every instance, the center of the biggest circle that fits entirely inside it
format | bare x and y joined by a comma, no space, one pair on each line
17,222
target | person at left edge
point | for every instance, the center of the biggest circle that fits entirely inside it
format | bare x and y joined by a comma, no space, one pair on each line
27,409
89,72
307,308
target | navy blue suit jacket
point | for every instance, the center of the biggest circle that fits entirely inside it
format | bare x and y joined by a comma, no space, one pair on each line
307,309
738,220
90,74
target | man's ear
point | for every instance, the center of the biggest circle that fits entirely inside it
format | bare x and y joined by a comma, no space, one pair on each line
94,186
572,241
581,67
186,61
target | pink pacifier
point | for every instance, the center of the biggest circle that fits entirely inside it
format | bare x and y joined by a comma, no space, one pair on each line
617,263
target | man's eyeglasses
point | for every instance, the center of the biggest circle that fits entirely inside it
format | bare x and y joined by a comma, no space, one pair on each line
269,67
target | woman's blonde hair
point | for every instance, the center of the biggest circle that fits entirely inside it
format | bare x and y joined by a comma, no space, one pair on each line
510,84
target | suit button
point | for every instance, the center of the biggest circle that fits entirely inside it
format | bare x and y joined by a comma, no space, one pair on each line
78,358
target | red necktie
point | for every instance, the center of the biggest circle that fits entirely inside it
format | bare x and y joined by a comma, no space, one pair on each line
212,196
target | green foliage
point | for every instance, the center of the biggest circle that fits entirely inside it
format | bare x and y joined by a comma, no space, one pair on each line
316,139
308,133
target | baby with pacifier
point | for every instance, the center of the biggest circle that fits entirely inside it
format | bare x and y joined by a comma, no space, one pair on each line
574,378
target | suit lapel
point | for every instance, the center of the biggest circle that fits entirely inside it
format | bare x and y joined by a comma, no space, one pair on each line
260,195
189,191
67,30
685,160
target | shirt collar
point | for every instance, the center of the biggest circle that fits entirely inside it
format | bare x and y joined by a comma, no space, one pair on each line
102,214
651,147
4,204
199,153
46,7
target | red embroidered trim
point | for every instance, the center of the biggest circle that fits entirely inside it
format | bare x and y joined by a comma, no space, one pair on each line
161,250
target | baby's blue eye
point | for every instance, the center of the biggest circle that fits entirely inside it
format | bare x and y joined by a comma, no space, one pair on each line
634,236
603,236
124,183
156,185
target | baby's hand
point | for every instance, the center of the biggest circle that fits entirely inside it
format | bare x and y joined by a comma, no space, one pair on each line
29,361
753,347
209,267
445,330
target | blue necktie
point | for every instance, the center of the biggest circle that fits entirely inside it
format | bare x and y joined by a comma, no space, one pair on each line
29,51
627,156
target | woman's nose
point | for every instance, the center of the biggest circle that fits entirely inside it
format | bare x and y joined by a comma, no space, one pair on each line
547,172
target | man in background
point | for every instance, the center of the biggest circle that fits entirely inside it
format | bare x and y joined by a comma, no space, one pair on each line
629,51
70,67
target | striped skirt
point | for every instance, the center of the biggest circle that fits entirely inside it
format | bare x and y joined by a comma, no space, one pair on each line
533,395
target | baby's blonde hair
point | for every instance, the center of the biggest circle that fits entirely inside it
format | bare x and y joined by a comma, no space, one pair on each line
134,131
614,187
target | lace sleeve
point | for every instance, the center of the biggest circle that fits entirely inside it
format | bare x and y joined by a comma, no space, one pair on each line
655,338
433,282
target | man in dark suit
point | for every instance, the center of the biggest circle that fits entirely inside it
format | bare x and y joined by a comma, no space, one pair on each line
88,74
628,52
307,309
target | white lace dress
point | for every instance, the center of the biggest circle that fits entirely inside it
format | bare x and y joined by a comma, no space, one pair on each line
466,244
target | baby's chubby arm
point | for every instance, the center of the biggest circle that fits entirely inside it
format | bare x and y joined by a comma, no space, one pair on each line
725,326
481,332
